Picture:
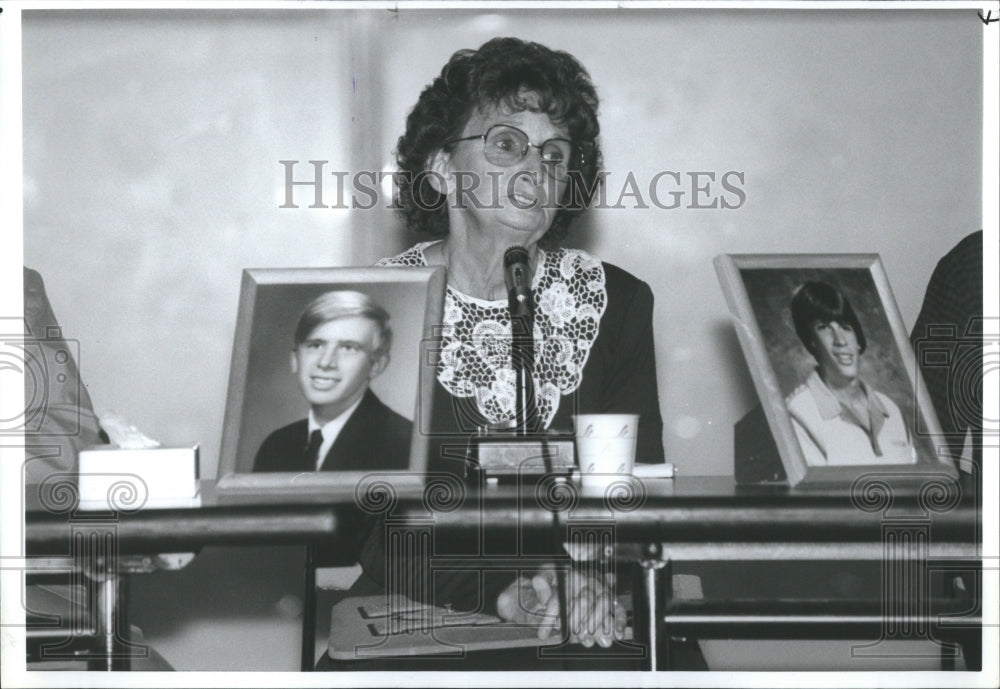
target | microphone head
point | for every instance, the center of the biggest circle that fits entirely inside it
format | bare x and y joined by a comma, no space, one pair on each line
515,254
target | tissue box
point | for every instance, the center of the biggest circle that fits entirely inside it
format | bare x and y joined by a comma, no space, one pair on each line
122,480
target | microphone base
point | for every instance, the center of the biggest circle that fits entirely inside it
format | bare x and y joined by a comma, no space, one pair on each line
501,454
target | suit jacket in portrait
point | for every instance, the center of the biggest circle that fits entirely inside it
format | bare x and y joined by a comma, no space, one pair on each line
374,437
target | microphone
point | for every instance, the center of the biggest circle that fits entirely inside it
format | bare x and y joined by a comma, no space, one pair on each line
517,278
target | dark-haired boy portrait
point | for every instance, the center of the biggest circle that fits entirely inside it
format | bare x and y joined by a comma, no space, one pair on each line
837,417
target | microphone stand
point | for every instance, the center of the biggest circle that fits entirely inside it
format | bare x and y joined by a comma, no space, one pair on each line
522,350
521,447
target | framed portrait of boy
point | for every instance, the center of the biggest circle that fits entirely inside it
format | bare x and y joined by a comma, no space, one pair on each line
326,382
834,370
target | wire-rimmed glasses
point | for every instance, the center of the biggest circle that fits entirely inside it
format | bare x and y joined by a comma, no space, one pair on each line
505,145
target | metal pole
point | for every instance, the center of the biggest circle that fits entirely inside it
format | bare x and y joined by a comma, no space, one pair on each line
109,596
655,573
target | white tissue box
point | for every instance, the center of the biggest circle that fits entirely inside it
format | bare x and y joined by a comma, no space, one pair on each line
113,478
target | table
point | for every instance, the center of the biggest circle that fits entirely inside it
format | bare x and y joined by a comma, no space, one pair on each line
655,523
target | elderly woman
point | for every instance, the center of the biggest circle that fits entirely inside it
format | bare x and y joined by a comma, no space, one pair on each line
837,417
501,150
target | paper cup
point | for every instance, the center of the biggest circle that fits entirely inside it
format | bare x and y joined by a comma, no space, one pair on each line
605,447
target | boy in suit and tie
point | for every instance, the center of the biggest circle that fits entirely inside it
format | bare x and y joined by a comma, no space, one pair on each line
342,343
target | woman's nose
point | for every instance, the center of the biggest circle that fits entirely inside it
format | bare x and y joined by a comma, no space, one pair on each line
532,164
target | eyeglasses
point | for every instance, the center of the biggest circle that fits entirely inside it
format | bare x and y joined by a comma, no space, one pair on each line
505,145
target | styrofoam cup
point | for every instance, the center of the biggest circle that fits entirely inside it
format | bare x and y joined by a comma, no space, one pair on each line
605,447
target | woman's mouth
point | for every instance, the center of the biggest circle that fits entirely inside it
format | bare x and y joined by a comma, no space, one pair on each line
524,201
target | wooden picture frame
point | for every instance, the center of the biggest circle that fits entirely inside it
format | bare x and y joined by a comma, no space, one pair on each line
801,410
264,394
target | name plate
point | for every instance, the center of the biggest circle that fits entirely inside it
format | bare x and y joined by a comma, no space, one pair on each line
124,480
507,455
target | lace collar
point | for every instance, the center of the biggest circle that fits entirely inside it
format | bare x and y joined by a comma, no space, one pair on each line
570,296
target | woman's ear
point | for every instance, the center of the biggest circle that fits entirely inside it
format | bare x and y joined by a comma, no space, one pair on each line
439,172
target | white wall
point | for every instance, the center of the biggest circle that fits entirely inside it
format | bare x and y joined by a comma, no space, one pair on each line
152,142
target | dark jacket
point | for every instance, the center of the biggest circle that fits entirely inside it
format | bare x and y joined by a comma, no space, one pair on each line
374,437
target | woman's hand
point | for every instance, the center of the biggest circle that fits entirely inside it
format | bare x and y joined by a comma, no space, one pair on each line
593,614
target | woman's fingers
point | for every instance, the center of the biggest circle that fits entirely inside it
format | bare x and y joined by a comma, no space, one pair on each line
619,619
585,592
543,585
592,611
550,619
510,602
598,617
599,625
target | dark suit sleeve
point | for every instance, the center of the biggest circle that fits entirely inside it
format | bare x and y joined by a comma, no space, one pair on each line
398,433
59,416
263,460
948,337
282,449
375,438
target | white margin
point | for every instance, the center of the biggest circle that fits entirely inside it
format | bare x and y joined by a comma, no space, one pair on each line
11,313
11,250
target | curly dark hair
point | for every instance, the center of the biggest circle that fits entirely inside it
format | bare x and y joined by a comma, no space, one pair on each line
821,301
503,73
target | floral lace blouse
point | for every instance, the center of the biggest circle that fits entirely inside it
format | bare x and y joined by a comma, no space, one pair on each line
593,346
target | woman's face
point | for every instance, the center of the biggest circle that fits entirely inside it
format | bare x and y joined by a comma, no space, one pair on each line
835,346
515,204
